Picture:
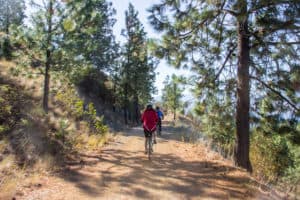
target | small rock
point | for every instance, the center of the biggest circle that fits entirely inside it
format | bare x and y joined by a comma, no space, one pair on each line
6,150
20,193
38,185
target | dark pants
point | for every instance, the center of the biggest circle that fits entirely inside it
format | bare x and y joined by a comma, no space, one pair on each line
159,124
147,133
148,136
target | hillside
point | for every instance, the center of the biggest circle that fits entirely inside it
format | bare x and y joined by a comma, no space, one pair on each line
33,143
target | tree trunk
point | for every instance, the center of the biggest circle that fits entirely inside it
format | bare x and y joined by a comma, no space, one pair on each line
7,20
114,97
7,48
126,104
241,153
46,83
48,57
136,109
175,100
174,116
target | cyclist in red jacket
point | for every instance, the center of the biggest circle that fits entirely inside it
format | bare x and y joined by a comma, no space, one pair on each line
149,120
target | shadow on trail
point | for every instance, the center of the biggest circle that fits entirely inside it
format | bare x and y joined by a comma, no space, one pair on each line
134,175
169,132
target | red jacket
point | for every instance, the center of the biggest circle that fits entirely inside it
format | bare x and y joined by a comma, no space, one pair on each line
149,119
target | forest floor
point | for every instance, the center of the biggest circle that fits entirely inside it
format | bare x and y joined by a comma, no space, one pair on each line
121,170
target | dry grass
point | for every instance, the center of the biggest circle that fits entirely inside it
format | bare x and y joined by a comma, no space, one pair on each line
9,188
9,177
35,135
90,142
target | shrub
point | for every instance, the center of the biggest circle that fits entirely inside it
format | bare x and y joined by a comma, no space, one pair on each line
62,132
75,107
73,104
9,109
96,122
217,123
292,177
270,156
5,47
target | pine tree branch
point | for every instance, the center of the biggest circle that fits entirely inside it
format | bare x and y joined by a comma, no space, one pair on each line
276,92
224,63
285,43
231,12
283,25
206,80
221,30
268,4
187,34
260,40
181,12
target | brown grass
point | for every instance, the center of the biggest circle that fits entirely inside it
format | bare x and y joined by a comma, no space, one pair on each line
33,148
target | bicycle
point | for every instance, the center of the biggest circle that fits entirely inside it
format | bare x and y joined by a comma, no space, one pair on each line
149,144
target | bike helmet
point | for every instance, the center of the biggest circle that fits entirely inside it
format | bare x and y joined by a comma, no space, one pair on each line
149,106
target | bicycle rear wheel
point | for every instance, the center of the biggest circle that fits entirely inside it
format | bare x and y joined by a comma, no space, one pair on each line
149,147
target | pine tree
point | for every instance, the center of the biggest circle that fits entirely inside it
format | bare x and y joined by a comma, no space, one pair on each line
172,94
88,25
137,72
213,35
60,28
45,39
11,13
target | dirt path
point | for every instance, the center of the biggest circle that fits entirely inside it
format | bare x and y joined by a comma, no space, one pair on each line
121,170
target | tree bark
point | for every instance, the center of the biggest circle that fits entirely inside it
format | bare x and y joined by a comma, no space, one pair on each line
242,146
126,104
136,109
114,97
174,115
175,100
48,57
46,82
7,20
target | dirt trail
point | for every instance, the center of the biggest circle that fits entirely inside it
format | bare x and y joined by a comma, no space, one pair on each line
121,170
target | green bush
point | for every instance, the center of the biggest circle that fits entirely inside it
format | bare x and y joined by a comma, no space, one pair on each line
79,111
75,107
96,122
270,156
217,123
5,47
9,109
292,177
62,132
71,102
